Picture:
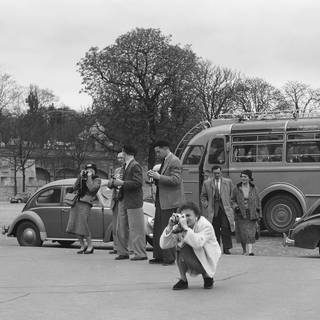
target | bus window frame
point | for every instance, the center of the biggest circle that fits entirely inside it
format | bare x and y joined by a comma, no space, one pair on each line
187,153
257,143
225,163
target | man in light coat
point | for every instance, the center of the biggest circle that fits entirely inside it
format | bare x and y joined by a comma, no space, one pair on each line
168,198
216,198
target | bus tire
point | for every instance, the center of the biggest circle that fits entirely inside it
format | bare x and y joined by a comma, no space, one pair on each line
280,212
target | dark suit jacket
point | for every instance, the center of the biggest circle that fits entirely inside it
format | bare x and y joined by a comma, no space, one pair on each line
170,183
132,187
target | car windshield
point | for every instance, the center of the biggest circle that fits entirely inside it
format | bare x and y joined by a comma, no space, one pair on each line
105,195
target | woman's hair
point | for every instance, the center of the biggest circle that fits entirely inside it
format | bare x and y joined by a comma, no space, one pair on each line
191,206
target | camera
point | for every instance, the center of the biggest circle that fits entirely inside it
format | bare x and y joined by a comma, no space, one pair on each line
84,174
175,218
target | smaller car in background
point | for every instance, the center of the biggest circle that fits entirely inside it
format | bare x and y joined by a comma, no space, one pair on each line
20,197
305,232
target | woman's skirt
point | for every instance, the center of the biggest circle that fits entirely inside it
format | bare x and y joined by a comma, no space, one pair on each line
78,219
246,230
188,259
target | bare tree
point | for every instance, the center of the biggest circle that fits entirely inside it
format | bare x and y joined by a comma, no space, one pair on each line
11,94
215,88
301,98
255,95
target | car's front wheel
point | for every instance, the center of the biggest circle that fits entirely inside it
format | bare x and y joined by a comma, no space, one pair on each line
28,234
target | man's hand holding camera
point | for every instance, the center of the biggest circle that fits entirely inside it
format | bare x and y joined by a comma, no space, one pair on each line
154,174
118,182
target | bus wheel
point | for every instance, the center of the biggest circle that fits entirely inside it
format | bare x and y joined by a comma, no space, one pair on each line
280,212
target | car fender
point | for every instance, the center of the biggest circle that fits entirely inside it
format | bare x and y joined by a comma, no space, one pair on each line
293,190
28,216
306,234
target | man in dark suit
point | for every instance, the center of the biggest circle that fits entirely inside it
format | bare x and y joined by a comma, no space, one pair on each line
168,198
118,174
130,212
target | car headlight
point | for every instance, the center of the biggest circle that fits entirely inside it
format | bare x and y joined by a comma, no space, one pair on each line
298,219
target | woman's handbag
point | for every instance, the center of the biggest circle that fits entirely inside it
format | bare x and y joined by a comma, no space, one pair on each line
70,198
257,236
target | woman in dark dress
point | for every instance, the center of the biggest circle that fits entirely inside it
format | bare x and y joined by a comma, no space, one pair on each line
247,210
87,186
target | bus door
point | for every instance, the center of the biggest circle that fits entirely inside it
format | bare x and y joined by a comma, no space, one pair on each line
217,155
191,162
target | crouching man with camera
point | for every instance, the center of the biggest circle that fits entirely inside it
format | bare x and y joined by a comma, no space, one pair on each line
198,251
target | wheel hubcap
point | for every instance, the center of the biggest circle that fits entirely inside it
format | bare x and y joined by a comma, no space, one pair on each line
29,236
281,215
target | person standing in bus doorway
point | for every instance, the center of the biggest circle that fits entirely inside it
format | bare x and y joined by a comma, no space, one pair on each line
168,199
216,198
247,209
118,174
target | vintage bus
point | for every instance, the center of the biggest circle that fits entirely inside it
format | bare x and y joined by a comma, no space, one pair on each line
283,154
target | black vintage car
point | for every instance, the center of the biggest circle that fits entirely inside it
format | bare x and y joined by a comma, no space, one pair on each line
305,232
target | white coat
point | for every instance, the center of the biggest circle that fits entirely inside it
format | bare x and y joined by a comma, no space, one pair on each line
203,241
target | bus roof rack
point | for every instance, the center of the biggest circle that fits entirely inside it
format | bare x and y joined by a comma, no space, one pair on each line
271,115
189,135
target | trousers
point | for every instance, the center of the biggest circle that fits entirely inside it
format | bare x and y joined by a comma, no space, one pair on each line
131,229
222,228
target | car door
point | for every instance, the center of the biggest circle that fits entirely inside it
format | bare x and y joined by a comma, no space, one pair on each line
47,204
95,220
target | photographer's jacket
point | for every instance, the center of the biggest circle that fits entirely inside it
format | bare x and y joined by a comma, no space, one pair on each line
87,188
170,183
203,241
132,194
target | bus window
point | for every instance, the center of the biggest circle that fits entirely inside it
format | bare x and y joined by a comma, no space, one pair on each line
193,155
216,151
269,152
244,153
303,151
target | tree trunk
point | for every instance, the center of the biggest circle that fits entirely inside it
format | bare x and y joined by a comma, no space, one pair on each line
15,175
23,169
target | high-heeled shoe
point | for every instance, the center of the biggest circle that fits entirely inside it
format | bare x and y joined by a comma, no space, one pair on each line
81,251
89,251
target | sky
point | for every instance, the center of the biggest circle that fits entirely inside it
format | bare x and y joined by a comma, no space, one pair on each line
41,41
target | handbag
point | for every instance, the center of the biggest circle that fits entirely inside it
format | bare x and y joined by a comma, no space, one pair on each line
257,235
70,198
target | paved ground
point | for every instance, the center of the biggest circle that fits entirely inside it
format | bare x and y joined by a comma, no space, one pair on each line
56,283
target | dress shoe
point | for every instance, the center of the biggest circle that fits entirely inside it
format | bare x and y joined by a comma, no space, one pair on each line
207,283
81,251
155,261
251,254
138,258
89,251
113,252
180,285
226,251
168,263
121,257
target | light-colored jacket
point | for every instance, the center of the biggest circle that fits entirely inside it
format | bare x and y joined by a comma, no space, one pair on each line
207,193
203,241
170,183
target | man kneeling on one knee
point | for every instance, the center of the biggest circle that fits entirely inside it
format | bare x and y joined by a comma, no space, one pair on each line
198,251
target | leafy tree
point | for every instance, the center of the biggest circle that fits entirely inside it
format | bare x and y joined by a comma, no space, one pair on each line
141,88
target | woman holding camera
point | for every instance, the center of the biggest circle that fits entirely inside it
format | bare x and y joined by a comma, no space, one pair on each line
86,186
247,210
198,251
